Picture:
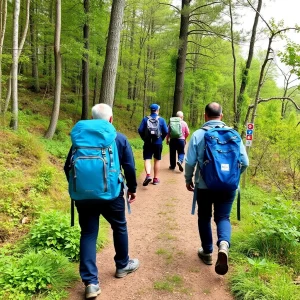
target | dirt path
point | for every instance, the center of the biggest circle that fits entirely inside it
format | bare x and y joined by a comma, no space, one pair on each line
164,236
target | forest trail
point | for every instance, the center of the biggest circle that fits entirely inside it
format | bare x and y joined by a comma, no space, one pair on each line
163,235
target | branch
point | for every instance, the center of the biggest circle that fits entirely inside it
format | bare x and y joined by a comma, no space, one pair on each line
208,4
170,5
275,98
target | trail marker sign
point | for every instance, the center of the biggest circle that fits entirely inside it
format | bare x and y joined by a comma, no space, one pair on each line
249,134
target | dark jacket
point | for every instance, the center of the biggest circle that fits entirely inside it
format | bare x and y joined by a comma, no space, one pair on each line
163,128
126,160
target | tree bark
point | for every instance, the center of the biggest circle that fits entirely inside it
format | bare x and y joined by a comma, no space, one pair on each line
181,59
57,89
112,52
241,96
85,63
14,68
34,57
18,49
3,17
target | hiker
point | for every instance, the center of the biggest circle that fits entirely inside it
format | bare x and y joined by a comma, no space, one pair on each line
178,131
153,129
222,200
113,211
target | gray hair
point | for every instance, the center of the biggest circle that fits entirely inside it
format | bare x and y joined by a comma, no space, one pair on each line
179,114
102,111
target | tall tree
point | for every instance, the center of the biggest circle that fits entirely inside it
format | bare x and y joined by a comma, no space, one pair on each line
85,63
14,68
57,89
241,96
181,59
112,53
3,17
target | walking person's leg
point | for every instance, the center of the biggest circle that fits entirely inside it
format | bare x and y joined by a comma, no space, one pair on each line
157,149
204,225
173,148
222,209
114,213
180,150
89,224
147,155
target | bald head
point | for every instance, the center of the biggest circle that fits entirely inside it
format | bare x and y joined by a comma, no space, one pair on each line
213,110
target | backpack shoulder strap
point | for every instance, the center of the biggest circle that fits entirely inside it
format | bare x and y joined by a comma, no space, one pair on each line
206,128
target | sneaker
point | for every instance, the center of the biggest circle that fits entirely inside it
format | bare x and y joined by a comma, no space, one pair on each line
221,267
147,180
132,266
179,164
92,291
155,181
205,257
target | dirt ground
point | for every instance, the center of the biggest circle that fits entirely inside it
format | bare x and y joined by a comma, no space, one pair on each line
163,235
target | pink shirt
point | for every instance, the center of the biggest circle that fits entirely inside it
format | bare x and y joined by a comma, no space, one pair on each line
185,131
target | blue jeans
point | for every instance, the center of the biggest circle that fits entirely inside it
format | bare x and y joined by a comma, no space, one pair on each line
176,145
222,202
89,212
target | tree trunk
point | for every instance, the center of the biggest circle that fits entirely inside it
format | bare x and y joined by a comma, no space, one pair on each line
14,68
3,16
241,96
34,57
112,52
18,49
57,92
181,59
85,63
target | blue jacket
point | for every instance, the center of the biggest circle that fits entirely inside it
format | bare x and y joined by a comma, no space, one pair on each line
163,128
126,160
195,154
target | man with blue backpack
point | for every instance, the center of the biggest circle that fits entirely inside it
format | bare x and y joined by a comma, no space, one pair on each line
219,156
93,169
153,130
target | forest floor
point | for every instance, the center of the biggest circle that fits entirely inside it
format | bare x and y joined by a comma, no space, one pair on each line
163,235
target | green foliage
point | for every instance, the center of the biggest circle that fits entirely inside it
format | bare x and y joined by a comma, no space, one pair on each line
53,231
262,279
44,179
37,272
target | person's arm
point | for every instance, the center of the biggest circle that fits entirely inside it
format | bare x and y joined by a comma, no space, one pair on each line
67,166
190,163
244,158
127,162
141,129
164,128
168,135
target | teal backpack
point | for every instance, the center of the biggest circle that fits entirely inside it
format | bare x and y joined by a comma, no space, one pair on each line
95,168
175,128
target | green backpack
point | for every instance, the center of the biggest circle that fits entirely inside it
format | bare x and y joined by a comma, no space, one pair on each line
175,128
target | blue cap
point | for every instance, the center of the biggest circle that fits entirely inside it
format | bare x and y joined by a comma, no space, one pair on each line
154,107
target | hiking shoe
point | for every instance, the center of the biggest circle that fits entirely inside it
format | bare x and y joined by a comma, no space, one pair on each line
205,257
221,267
147,180
170,168
132,266
155,181
92,291
179,164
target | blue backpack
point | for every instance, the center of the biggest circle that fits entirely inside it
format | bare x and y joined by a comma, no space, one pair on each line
221,167
96,172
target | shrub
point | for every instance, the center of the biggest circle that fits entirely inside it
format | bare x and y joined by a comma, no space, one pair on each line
53,231
45,271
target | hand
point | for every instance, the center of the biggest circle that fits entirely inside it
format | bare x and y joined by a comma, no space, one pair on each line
131,197
190,186
167,142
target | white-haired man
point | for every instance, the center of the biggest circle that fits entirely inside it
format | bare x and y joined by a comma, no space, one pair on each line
177,144
89,212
